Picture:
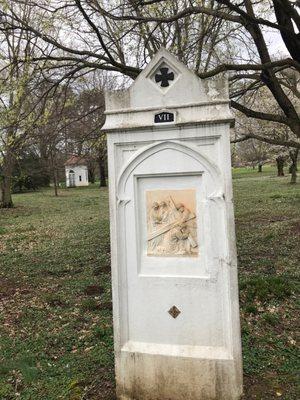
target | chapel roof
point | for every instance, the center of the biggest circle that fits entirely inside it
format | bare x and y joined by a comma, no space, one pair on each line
76,160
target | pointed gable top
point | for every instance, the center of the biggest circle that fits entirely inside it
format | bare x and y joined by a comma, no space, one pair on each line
164,84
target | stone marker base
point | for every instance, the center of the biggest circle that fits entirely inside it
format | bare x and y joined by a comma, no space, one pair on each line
153,377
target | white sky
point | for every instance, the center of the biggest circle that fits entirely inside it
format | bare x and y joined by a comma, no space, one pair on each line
276,44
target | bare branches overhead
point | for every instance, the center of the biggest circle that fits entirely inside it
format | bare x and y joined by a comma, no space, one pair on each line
210,36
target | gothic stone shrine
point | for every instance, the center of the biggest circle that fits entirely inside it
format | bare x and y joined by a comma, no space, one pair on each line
174,270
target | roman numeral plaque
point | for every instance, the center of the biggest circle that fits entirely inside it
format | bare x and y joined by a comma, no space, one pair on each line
163,117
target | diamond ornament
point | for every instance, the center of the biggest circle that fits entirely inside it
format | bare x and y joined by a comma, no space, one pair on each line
174,312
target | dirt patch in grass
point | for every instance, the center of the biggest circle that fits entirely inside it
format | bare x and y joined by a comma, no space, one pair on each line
266,387
103,388
295,228
93,290
9,287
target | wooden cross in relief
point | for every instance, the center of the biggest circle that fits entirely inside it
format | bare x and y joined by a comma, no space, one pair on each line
164,77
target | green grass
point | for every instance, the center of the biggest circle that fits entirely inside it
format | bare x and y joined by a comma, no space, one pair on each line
249,172
56,334
56,339
267,211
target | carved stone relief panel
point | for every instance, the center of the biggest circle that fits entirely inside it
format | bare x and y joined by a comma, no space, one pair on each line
171,223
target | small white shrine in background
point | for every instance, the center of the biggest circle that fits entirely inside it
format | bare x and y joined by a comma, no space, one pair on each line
76,172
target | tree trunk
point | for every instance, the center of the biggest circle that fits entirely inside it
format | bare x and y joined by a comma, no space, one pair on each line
284,15
54,172
293,167
102,173
55,181
91,172
280,165
6,181
260,167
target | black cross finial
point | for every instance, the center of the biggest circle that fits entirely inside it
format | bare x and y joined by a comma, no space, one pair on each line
164,77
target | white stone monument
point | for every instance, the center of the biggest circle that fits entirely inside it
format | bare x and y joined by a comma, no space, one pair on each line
174,269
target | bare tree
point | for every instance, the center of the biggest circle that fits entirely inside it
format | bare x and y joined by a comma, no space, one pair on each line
72,121
19,113
293,168
254,152
280,138
280,161
211,36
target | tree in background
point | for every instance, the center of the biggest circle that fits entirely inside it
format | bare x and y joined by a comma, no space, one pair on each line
101,150
253,152
72,121
293,168
209,36
28,173
280,162
280,141
18,98
84,131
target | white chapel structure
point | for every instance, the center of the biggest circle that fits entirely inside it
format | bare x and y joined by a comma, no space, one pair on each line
76,172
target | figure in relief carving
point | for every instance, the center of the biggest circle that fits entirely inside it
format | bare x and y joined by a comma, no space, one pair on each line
172,228
155,221
155,215
164,212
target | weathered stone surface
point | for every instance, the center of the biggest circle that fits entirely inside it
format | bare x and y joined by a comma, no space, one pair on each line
175,297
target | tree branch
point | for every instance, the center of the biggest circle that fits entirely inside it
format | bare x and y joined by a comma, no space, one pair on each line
277,142
288,62
258,114
181,14
126,69
96,30
242,19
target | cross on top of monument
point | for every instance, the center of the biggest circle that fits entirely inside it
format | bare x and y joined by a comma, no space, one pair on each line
164,77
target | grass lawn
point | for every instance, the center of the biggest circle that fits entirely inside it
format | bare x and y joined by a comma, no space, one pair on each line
55,301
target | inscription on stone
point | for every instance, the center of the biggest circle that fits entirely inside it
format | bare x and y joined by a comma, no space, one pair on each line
164,117
171,223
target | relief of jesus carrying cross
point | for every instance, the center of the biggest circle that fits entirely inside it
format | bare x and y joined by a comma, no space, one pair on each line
171,229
